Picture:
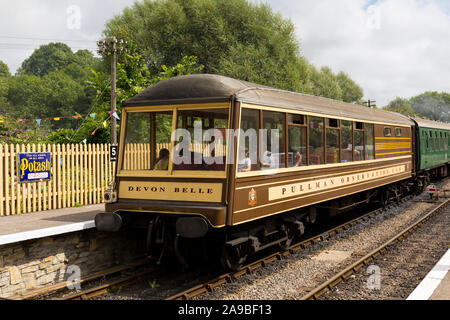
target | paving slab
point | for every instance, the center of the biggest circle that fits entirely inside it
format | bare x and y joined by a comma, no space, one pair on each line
47,223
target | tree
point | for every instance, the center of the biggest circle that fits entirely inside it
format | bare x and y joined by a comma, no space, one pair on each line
325,83
351,92
430,105
230,37
4,70
234,38
402,106
48,58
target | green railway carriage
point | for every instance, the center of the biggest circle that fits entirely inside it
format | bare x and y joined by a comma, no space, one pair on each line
433,149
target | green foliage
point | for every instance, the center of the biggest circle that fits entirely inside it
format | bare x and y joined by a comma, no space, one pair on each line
325,83
401,106
4,70
233,38
52,57
430,105
351,92
133,76
13,131
50,84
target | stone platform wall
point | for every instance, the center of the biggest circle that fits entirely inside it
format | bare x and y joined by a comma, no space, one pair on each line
42,262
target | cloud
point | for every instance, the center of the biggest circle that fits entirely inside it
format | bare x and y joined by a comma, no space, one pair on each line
27,24
391,47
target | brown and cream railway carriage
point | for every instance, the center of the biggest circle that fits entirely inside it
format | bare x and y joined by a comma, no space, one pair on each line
327,156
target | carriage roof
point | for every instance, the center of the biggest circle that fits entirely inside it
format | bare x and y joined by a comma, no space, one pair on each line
215,88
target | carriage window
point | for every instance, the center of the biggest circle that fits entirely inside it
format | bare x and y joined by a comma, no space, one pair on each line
248,141
202,146
387,132
370,141
442,142
332,138
423,142
359,145
147,140
431,142
346,141
273,145
296,141
398,132
316,140
446,142
436,139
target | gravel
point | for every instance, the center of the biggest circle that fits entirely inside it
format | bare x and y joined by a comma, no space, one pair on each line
294,276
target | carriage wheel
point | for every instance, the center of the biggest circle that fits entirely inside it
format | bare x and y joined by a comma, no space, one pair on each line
233,258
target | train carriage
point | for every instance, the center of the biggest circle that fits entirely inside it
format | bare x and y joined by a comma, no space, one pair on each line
251,191
433,146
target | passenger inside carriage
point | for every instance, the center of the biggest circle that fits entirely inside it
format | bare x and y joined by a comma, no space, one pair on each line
162,163
269,161
244,163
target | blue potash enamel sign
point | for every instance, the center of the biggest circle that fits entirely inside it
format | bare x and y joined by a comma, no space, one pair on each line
34,166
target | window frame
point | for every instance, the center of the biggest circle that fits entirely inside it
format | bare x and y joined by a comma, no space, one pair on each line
170,172
337,128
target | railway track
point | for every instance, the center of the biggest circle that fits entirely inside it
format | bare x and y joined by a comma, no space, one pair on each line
261,263
105,288
54,289
248,269
367,259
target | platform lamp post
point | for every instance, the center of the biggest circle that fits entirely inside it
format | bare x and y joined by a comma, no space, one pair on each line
114,47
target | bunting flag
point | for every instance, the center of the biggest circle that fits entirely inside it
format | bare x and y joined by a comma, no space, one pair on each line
84,141
105,124
112,113
93,132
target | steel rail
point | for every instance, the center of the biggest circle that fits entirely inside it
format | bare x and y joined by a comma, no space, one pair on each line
364,261
105,288
261,263
52,289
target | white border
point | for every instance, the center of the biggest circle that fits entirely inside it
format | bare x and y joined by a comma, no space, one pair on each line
428,285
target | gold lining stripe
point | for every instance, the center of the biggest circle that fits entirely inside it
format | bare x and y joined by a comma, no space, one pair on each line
318,193
322,176
382,138
313,167
322,115
397,145
311,204
384,154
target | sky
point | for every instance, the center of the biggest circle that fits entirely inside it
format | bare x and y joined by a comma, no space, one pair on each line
391,48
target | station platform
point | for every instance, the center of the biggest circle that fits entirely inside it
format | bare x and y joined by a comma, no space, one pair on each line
42,224
436,284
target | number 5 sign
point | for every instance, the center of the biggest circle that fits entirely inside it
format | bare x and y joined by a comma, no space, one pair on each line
113,153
